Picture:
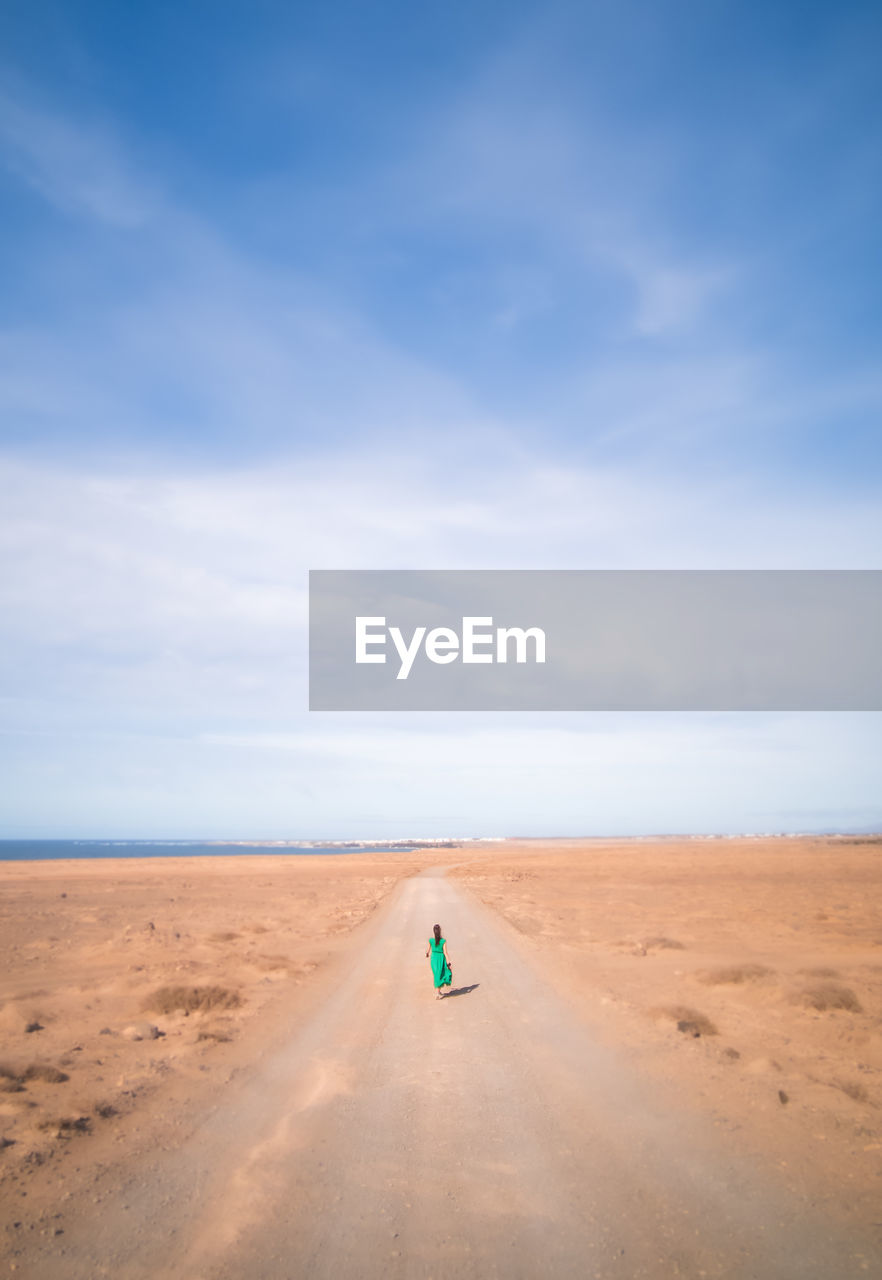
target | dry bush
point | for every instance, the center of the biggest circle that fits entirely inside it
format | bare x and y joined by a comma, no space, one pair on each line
191,999
852,1089
40,1071
829,995
735,973
664,944
66,1124
224,936
683,1013
219,1037
12,1079
269,962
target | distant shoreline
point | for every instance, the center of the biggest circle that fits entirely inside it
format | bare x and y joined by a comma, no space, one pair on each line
82,850
55,850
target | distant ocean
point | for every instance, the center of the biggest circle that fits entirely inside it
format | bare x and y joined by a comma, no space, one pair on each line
38,850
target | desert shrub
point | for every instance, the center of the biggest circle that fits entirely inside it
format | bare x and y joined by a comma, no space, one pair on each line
829,995
66,1124
191,999
12,1079
40,1071
852,1089
735,973
683,1013
664,944
270,962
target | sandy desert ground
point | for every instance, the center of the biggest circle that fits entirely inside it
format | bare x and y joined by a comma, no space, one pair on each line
748,972
132,990
743,975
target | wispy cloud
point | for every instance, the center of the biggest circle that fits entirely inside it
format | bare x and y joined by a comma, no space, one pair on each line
185,590
508,336
513,160
79,169
619,341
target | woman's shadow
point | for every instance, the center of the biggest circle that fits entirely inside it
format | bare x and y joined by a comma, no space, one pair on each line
461,991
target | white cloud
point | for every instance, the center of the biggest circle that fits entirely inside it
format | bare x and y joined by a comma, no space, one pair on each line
508,157
79,169
153,612
180,589
415,776
671,299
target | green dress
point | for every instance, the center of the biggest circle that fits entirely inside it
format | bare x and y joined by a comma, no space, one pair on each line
440,968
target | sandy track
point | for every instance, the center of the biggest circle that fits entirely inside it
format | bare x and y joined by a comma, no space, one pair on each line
486,1134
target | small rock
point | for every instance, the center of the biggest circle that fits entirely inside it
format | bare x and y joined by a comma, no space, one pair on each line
783,1097
141,1031
732,1053
34,1026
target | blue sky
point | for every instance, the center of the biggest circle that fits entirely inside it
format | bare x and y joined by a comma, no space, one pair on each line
336,286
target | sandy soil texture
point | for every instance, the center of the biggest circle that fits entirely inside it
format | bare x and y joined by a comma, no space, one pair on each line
384,1135
748,972
664,1060
131,989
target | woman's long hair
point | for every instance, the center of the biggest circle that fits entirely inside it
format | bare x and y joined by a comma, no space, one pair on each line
436,929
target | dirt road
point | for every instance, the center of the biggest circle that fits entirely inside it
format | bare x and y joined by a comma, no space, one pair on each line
483,1135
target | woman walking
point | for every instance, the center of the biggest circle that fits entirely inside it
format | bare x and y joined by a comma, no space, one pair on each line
437,953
